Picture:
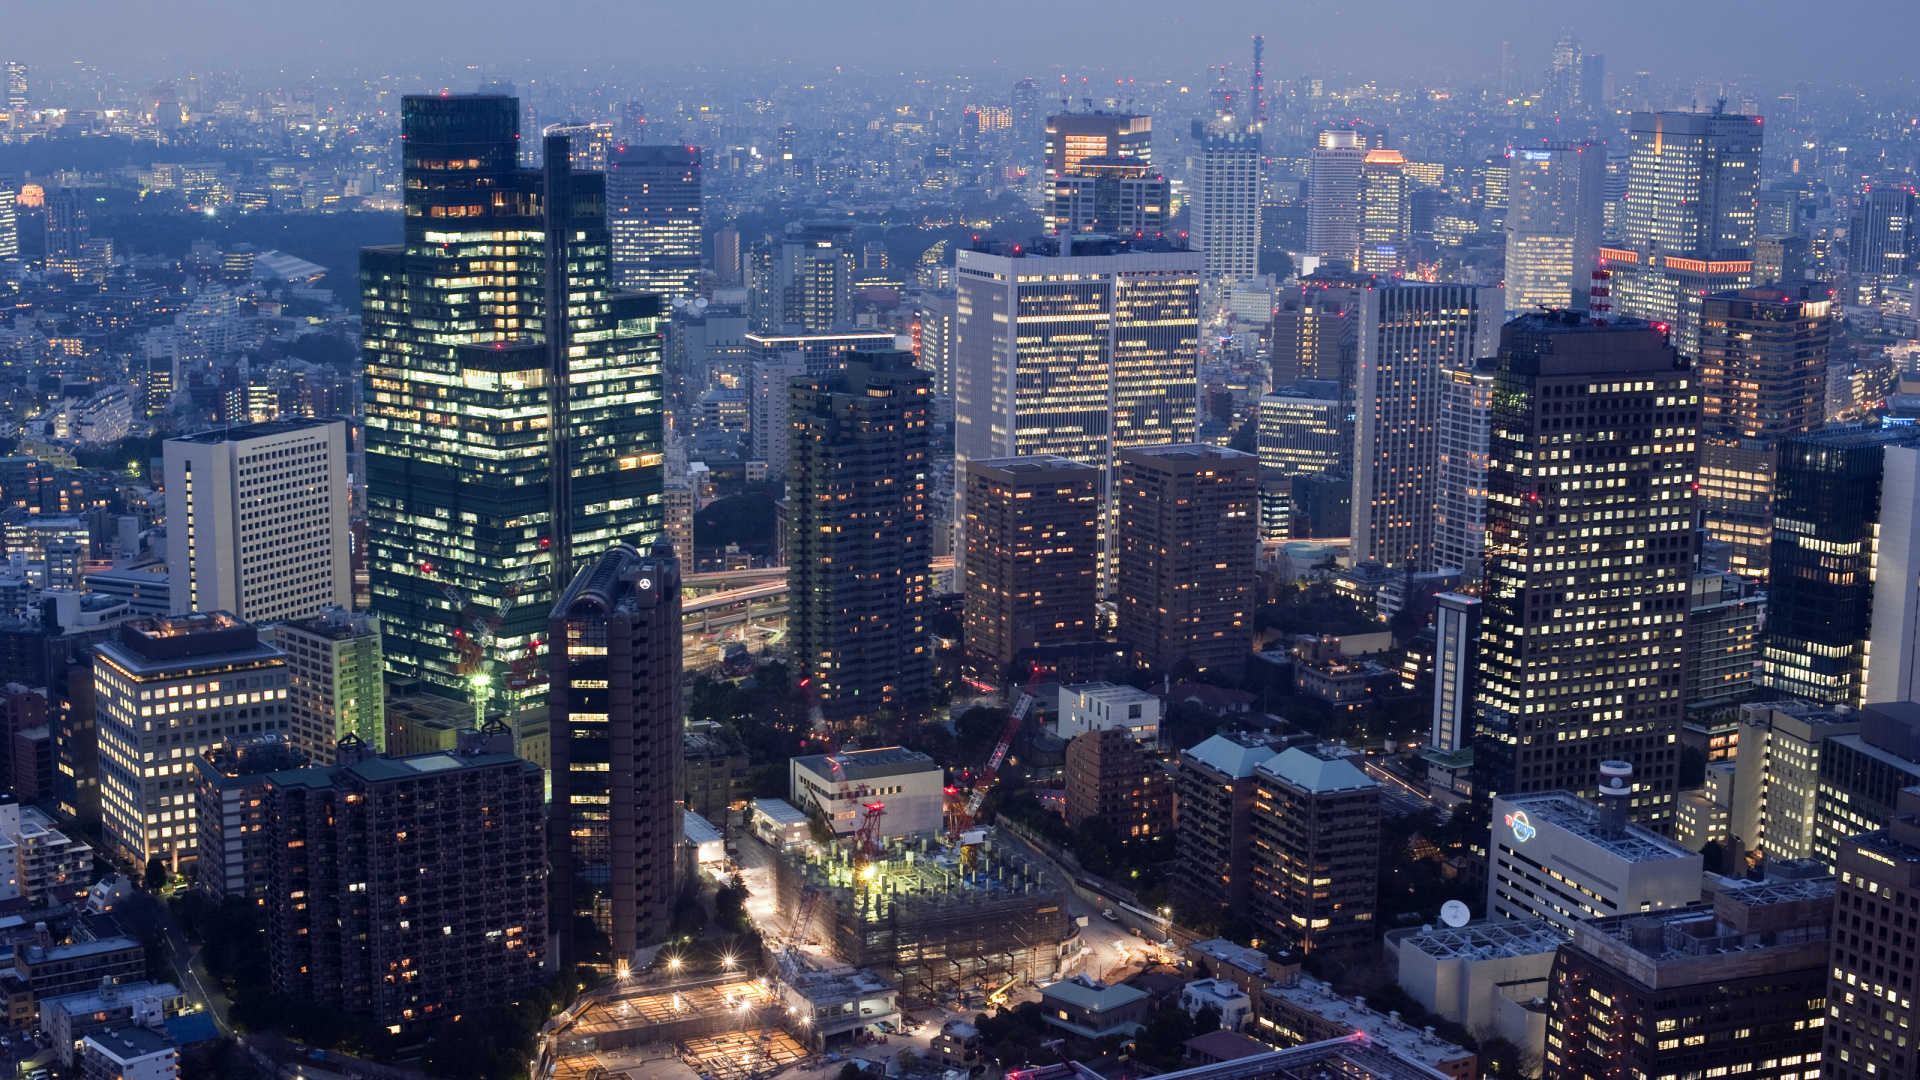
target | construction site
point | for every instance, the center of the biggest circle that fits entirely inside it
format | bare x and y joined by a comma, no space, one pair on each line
929,918
728,1029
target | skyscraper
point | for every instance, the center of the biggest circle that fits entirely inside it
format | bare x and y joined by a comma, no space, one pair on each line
769,392
858,534
257,518
1033,557
1589,553
1762,368
66,232
336,685
1687,223
16,88
802,282
1824,601
504,446
1333,199
1466,430
1316,850
1305,429
1075,348
1882,237
1410,335
1456,654
9,217
1225,210
1869,994
1386,213
1184,577
935,322
613,701
1554,215
653,206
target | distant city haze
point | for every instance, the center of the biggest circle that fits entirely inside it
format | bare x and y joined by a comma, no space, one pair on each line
1763,44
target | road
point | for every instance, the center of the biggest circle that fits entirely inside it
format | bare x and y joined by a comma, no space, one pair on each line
1396,795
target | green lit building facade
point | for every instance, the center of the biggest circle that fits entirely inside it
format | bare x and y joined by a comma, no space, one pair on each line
504,449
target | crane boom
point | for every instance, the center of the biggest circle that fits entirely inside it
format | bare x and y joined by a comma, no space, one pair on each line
1014,719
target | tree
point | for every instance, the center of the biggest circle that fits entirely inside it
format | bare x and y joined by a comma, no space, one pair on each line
156,874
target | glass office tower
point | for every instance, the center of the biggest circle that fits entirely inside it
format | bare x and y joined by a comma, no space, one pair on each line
504,448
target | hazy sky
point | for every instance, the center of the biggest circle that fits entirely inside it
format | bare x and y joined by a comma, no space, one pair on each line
1759,42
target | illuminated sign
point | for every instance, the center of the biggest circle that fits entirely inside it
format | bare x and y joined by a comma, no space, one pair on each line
1523,829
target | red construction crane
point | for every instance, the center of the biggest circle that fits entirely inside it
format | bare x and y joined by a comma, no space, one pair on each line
866,846
963,819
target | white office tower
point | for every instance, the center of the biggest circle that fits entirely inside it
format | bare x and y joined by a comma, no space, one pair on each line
769,383
1466,432
1226,209
1894,671
1386,213
1411,335
1077,348
1456,634
934,320
1333,198
9,217
1687,224
257,520
1554,216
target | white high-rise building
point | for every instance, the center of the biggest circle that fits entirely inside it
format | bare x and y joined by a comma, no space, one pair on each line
1466,429
1226,208
768,389
1456,639
257,520
9,217
1554,216
1894,674
1333,198
1411,335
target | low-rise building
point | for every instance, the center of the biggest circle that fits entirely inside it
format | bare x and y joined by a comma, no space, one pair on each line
1234,1004
960,1048
777,823
716,771
50,971
909,786
831,1005
128,1052
1099,706
1305,1011
1485,976
1558,858
47,865
67,1020
1093,1009
1249,969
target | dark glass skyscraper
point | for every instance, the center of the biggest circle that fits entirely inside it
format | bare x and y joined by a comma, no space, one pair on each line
653,204
504,448
1826,532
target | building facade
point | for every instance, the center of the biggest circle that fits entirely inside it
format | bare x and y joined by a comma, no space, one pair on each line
1213,800
1114,778
654,210
1562,859
859,537
1225,210
1033,558
1184,575
1589,554
505,446
167,691
613,706
1316,850
408,889
257,520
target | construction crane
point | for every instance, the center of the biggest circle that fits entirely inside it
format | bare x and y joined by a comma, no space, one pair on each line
788,948
866,843
964,816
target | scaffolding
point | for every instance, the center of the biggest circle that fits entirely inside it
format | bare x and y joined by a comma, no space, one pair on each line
927,923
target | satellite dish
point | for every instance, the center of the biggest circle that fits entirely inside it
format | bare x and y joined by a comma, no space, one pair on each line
1454,913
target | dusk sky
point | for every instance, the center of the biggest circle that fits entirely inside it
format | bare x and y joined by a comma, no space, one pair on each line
1761,43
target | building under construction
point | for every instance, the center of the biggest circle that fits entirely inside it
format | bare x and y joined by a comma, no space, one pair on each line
927,919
